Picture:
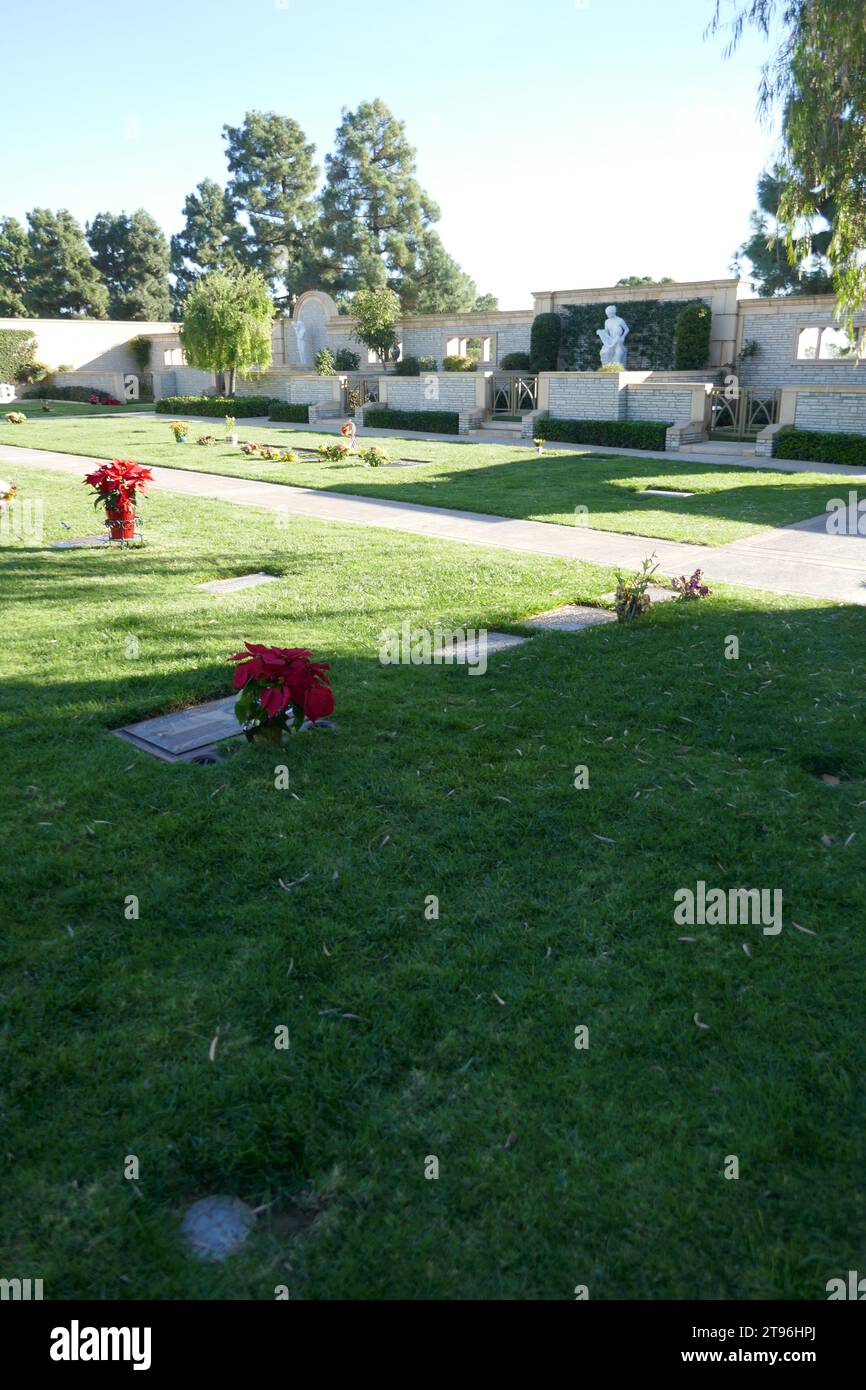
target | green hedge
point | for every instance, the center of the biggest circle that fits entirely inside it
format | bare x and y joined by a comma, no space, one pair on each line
617,434
17,350
434,421
296,414
414,366
238,406
544,342
820,446
692,337
516,362
69,393
651,340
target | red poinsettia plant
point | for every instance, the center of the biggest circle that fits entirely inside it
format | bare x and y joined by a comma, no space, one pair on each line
117,484
280,687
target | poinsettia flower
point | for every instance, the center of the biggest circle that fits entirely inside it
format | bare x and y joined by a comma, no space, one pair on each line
318,702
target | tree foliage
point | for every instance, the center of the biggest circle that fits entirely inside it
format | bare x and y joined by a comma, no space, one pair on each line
775,271
62,281
227,324
646,280
212,239
14,256
272,186
132,256
373,210
377,312
817,80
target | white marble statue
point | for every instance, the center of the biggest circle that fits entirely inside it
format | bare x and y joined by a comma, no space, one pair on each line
613,336
300,337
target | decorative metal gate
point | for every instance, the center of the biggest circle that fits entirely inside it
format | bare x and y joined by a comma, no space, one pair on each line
513,394
740,413
358,391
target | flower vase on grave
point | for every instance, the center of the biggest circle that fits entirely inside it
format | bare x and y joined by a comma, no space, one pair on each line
120,520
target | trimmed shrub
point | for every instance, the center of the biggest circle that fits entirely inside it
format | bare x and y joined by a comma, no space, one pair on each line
346,360
516,362
239,406
457,364
70,393
414,366
692,337
435,421
17,350
820,446
544,342
618,434
295,414
325,363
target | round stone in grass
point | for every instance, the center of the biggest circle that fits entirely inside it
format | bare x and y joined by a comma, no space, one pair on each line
217,1226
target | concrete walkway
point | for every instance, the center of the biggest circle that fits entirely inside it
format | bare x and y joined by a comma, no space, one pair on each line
800,559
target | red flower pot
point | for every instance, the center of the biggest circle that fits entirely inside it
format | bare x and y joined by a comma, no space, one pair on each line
121,521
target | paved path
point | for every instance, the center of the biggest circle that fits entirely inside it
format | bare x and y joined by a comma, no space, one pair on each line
800,559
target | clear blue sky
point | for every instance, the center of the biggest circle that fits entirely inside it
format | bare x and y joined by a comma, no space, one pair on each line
567,142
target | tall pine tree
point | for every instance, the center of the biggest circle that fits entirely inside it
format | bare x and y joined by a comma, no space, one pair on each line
272,186
14,256
373,210
211,239
767,249
62,281
131,253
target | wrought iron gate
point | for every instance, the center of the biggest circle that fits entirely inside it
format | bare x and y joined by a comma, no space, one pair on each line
513,394
739,413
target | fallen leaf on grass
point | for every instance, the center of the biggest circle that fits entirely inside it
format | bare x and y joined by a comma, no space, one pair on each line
213,1047
498,1000
289,886
511,1140
807,930
698,1022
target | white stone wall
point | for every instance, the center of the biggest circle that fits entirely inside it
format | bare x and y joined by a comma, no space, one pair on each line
840,411
260,385
586,396
774,364
658,403
456,391
311,390
87,344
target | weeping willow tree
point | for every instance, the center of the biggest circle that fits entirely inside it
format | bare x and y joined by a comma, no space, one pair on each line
227,325
816,80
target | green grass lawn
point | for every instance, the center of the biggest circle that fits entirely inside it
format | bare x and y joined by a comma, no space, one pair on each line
729,503
33,408
413,1036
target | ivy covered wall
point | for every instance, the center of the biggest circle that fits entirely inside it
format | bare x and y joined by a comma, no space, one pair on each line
651,340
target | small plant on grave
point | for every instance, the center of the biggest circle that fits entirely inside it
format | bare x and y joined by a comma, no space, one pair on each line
117,486
334,453
539,443
250,449
206,439
691,588
16,418
631,599
7,492
280,688
373,457
180,430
